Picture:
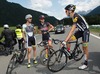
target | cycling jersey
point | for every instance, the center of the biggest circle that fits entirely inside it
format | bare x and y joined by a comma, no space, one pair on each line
8,35
19,33
28,29
30,39
44,29
80,22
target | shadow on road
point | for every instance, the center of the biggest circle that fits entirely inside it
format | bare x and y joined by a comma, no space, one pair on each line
94,64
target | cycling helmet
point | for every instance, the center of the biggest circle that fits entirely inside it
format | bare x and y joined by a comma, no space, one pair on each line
18,26
6,26
28,16
42,17
70,7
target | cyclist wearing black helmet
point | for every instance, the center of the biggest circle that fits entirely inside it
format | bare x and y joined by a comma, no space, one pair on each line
45,28
19,35
83,31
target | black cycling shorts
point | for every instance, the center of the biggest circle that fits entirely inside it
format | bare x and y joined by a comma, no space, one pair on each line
84,34
45,37
31,41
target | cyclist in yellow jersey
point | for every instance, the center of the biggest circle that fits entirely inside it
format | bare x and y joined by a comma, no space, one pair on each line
83,31
19,35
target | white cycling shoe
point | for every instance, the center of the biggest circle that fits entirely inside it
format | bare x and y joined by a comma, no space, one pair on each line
83,67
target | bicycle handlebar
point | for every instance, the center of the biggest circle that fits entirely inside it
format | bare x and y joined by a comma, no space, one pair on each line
55,41
42,43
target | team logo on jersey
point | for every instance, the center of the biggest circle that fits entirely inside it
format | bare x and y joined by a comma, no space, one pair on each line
75,19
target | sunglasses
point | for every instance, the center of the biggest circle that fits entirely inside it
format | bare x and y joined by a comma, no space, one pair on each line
66,11
29,18
41,18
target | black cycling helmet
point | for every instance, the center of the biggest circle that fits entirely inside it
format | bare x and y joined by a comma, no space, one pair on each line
18,26
42,17
70,7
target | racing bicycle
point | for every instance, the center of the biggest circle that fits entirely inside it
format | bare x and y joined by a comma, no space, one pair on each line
62,55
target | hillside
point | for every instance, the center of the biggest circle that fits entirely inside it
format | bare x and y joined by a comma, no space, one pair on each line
95,11
14,14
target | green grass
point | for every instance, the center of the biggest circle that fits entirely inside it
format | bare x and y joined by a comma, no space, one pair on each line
1,29
95,29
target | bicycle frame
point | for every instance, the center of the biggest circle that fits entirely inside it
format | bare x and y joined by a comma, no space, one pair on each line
64,49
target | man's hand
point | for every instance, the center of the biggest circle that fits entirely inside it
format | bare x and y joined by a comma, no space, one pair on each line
64,43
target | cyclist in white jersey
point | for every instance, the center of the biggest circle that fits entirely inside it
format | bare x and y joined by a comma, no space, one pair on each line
83,31
28,33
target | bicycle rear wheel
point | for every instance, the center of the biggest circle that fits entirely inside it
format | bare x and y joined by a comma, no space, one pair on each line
43,59
78,54
12,64
22,55
60,61
2,49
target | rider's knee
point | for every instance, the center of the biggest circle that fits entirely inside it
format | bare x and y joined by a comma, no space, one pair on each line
85,44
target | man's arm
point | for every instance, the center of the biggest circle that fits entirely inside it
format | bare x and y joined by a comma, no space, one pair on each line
71,32
51,27
39,30
23,32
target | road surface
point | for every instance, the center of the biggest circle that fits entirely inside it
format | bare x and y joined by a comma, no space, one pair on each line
71,68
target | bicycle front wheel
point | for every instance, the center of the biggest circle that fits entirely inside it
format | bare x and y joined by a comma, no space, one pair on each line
43,56
22,55
60,59
11,64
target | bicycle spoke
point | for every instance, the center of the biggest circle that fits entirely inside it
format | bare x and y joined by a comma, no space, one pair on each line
60,60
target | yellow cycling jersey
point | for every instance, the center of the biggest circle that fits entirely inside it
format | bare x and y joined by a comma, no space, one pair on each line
19,33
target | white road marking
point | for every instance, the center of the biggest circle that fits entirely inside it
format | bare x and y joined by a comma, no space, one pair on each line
95,36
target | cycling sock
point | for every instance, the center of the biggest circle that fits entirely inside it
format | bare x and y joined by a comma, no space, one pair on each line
34,58
46,55
29,61
86,62
85,57
68,49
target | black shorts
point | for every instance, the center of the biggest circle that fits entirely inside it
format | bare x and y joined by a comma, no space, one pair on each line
45,37
84,34
31,41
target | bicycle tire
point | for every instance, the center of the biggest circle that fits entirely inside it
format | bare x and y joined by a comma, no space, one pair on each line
22,55
57,67
42,56
2,48
78,54
11,64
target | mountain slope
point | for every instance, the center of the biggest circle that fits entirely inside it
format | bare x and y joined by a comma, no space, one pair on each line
13,14
95,11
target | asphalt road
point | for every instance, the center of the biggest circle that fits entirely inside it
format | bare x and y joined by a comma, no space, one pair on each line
71,68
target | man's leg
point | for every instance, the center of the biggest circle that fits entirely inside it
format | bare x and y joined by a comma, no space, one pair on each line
33,41
86,55
71,39
29,56
19,44
85,49
34,52
85,40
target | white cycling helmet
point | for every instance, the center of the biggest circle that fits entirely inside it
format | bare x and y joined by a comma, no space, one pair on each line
28,16
6,26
